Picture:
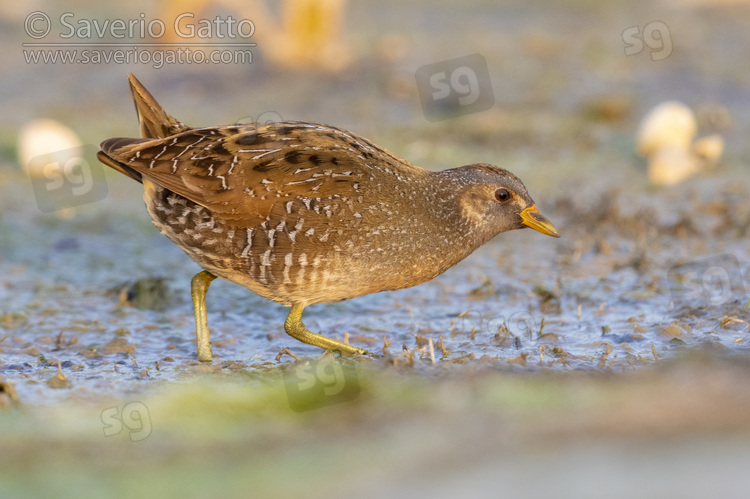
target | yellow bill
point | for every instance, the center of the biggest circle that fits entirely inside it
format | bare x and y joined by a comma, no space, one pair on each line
532,218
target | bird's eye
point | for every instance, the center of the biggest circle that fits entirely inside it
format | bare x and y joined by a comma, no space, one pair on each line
502,195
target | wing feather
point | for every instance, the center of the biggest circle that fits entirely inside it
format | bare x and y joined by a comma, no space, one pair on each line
241,172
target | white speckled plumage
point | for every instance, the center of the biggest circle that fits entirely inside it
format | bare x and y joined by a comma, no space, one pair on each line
406,227
305,213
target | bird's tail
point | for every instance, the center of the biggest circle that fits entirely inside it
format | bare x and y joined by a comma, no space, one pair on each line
155,124
154,120
110,145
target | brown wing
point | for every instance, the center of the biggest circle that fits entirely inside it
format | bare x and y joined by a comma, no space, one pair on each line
241,172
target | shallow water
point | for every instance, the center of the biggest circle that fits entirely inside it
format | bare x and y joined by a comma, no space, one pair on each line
623,288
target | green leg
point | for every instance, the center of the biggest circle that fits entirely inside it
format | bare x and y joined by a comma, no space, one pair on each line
198,288
294,328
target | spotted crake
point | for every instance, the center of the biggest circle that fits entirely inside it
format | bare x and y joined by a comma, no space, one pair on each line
303,213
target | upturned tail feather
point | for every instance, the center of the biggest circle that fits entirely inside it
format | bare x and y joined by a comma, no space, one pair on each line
154,122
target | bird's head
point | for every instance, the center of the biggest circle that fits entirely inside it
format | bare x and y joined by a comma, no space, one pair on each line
496,200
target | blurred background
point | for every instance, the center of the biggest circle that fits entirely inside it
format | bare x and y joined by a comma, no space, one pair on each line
609,362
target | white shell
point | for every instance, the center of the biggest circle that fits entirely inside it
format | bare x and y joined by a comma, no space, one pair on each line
670,124
710,148
672,165
49,139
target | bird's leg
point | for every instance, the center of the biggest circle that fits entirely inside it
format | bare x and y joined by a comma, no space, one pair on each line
294,328
198,288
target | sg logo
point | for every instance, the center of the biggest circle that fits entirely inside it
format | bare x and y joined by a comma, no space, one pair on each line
248,125
517,325
455,87
463,81
655,36
311,385
712,281
134,417
75,172
63,179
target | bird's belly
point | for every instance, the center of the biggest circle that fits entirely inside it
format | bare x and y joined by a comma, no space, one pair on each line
288,260
287,263
196,231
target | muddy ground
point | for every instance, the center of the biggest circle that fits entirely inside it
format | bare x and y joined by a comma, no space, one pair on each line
612,359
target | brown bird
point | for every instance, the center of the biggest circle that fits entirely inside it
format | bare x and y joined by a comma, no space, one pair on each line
303,213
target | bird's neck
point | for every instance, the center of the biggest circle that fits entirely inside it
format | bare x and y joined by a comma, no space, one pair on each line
459,227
